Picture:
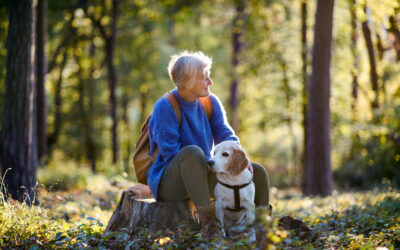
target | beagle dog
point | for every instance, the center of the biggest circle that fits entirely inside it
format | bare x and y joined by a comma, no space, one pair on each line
234,192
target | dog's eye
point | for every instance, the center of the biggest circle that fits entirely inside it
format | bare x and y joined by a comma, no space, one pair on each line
225,154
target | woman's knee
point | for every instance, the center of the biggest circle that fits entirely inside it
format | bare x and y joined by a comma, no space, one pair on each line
261,182
191,153
259,170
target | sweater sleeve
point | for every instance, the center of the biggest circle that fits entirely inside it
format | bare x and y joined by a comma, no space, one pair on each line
164,131
221,129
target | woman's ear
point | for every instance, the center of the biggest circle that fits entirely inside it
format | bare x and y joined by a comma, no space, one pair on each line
238,162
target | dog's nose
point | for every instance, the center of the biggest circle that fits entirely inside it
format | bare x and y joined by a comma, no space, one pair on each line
210,163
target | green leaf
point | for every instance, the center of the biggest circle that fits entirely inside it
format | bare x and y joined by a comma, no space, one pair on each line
127,247
58,236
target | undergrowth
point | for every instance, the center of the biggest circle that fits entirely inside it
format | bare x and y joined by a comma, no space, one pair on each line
77,219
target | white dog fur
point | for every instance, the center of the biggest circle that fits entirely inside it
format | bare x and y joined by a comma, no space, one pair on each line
230,163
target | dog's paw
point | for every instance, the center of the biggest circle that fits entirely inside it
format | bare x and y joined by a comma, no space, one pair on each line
252,235
223,233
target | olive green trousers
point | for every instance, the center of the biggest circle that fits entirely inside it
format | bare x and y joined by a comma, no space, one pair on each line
187,176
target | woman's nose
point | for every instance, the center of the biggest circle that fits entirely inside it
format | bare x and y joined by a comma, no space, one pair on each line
209,81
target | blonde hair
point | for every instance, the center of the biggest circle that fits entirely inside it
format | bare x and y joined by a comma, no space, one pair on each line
186,67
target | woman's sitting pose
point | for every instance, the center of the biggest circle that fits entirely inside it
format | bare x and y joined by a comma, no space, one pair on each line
180,168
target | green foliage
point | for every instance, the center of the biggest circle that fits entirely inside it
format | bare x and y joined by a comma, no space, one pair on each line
374,153
348,220
76,219
66,177
378,162
370,224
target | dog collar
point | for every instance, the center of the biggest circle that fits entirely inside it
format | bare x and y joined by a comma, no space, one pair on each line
236,189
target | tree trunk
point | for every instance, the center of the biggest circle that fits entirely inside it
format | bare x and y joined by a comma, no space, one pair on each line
41,68
356,60
372,63
238,45
394,28
304,60
71,33
110,40
128,148
318,168
53,137
354,74
379,45
137,208
286,89
112,81
90,142
18,137
110,43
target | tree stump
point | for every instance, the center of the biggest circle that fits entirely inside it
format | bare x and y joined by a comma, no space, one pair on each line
138,208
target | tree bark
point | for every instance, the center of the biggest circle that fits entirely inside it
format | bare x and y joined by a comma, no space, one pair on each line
318,168
238,45
112,81
304,60
53,137
394,28
372,63
90,142
18,135
41,70
356,60
379,45
137,208
112,74
128,145
71,32
286,89
110,40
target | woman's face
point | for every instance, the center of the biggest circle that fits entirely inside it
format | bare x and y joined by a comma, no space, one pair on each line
201,84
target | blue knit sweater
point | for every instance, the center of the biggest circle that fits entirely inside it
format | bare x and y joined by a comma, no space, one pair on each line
195,129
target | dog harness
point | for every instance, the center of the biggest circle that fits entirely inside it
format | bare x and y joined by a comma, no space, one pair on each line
236,193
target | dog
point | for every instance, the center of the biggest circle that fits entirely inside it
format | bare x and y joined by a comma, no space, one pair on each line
235,190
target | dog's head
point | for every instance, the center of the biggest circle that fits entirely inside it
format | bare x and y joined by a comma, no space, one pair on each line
229,158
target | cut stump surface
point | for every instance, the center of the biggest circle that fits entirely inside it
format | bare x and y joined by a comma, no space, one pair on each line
137,208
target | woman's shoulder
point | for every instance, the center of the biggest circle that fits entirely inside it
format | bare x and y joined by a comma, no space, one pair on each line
214,100
162,103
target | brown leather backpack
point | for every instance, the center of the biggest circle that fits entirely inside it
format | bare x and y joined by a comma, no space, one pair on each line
142,160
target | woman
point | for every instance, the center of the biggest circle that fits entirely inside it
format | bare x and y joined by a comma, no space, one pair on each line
180,168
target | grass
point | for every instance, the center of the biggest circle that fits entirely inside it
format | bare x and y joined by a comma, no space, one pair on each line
76,218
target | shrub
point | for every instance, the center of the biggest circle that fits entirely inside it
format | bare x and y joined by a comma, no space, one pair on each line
66,176
375,161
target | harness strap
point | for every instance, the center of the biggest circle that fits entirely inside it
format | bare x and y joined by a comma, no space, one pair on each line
236,193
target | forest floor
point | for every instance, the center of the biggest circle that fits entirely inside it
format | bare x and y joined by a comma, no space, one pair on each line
77,219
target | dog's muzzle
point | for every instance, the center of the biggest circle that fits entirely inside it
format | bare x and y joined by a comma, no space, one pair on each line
210,163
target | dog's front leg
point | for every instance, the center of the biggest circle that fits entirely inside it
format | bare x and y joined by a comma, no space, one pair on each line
250,218
250,213
219,212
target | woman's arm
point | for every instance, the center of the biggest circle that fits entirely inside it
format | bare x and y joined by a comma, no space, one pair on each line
164,130
221,129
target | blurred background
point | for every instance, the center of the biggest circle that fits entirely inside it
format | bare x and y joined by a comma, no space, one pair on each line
105,64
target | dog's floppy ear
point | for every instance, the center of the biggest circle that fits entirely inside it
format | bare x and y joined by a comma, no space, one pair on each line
239,162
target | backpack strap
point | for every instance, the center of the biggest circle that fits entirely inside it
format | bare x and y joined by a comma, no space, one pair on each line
204,101
207,106
175,105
